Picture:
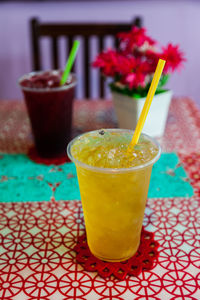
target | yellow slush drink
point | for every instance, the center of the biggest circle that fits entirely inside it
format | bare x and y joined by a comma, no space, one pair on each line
113,184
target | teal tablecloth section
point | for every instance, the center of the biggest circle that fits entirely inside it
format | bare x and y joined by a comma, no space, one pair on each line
169,179
23,180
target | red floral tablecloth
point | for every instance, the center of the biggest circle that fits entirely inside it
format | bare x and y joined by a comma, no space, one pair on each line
37,260
182,133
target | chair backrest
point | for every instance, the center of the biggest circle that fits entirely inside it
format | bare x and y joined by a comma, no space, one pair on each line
70,31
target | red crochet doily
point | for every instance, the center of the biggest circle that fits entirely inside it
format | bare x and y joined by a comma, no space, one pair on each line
33,155
144,259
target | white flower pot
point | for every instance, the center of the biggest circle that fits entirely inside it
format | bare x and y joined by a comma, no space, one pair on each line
128,111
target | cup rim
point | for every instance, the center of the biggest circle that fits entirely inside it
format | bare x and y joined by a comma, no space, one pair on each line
44,90
113,170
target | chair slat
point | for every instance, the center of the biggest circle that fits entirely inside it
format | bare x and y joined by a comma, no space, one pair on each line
35,45
54,52
83,29
116,42
86,66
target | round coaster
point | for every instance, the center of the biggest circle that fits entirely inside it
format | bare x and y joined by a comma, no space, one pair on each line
144,259
33,155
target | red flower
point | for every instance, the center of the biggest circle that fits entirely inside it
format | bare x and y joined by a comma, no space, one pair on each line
152,58
125,65
134,63
134,80
107,62
135,38
173,56
138,76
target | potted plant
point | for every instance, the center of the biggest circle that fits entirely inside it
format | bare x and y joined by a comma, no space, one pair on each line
131,68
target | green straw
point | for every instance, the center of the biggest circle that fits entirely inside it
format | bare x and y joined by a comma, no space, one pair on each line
70,62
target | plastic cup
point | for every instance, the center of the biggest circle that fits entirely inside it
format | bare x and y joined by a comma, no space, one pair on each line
113,203
50,113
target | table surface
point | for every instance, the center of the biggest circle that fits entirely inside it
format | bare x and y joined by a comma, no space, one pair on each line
37,237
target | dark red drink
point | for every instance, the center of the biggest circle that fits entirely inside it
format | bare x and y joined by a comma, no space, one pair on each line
50,110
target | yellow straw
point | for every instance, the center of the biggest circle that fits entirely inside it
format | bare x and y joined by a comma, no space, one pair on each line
147,104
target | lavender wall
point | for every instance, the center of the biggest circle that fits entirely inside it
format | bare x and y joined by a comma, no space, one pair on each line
175,21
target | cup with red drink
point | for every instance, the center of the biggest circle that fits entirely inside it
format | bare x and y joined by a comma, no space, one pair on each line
49,106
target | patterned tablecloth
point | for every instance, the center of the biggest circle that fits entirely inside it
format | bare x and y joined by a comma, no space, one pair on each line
37,235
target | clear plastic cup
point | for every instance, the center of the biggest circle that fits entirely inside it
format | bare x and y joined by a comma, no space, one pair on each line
113,203
50,113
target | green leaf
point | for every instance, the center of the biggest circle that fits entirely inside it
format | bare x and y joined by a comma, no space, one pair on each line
140,92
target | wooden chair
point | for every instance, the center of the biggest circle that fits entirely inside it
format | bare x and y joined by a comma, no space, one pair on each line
70,31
